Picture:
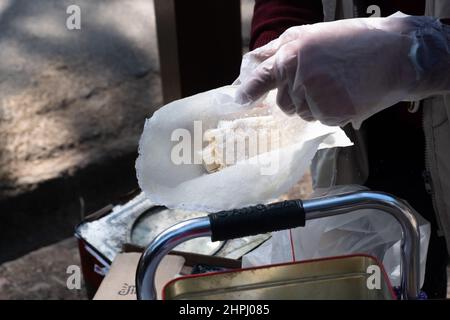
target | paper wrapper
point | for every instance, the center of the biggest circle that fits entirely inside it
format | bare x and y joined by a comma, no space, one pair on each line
260,179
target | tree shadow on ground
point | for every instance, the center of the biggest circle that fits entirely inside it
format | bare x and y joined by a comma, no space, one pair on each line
117,73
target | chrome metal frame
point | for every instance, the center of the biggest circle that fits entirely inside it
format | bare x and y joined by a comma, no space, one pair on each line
314,209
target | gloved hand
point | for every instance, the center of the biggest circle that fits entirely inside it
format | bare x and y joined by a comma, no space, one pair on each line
346,71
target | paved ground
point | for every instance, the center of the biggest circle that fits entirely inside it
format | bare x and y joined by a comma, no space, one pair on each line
41,274
72,98
51,212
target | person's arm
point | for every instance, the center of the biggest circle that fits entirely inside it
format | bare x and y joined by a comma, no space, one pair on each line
346,71
272,17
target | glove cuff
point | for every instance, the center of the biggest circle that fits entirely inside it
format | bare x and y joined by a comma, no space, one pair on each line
430,54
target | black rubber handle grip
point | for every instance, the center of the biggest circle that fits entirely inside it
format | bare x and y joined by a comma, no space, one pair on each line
226,225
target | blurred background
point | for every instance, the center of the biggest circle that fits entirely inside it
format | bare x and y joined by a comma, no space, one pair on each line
72,107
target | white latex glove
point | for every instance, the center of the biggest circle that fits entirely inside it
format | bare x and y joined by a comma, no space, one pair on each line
347,70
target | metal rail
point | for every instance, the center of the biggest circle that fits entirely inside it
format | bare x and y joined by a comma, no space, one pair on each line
314,209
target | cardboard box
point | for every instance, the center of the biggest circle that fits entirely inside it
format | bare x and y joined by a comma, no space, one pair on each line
119,283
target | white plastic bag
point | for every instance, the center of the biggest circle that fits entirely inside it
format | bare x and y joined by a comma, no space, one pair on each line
186,184
366,231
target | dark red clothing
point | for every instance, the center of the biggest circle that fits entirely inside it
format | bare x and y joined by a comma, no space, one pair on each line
272,17
395,139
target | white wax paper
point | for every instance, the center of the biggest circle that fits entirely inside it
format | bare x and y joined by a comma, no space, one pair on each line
190,187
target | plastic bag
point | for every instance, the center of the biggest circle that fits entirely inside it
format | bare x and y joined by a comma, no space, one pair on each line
170,174
366,231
